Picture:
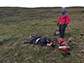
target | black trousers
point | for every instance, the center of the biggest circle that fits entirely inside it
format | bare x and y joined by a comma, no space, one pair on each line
32,41
62,30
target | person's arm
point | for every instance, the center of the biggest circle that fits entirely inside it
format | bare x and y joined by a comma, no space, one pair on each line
42,43
67,19
59,19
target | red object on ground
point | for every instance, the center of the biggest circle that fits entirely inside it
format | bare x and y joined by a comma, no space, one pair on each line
63,45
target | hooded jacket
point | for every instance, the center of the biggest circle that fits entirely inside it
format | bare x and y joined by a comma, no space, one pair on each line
43,42
63,18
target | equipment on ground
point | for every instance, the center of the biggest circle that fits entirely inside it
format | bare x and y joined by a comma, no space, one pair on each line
56,32
62,44
66,53
35,36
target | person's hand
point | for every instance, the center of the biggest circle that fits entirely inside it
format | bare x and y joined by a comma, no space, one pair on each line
53,45
49,44
57,24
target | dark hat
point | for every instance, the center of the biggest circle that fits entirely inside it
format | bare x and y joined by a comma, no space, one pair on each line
48,38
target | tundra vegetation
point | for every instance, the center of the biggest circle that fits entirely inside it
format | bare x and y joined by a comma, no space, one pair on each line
17,24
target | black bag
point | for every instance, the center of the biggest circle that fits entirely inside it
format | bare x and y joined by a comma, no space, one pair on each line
32,39
35,36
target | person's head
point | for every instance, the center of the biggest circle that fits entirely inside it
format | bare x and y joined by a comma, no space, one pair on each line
63,9
48,39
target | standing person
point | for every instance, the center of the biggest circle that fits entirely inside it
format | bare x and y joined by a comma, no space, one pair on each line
63,21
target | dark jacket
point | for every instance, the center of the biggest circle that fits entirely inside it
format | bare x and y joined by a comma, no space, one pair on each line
43,42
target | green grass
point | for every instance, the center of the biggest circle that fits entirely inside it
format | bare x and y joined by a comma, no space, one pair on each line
17,24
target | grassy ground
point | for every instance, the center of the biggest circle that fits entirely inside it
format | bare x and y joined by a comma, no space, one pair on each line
17,24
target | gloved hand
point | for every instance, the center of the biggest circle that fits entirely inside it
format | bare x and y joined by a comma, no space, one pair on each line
65,25
57,24
53,45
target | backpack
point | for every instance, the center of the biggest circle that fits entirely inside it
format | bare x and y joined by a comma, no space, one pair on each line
35,36
33,39
63,45
56,32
